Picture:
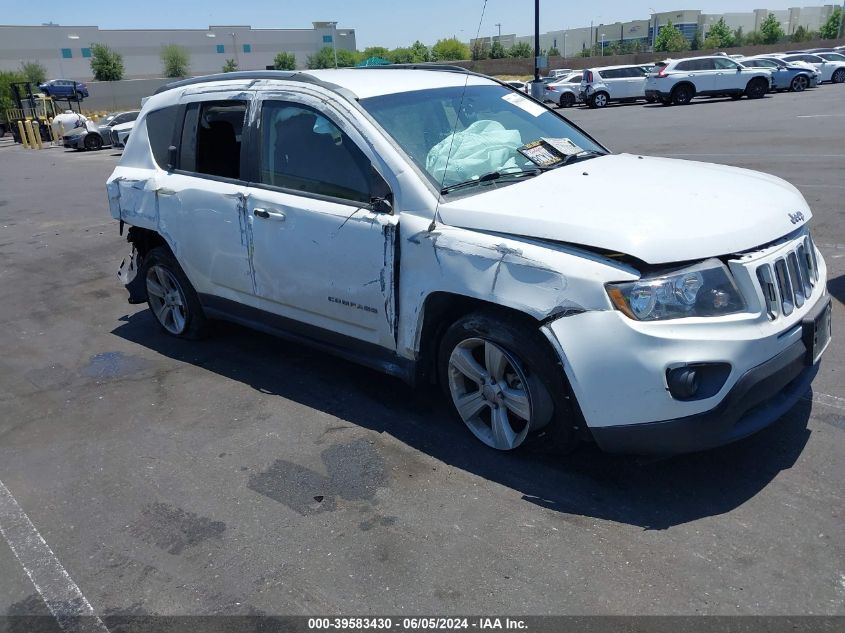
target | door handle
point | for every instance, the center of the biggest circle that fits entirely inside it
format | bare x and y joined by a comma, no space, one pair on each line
266,214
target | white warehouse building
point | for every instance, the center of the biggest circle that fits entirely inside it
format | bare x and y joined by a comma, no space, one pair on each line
66,50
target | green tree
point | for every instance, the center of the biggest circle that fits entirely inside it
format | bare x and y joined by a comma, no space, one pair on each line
554,52
720,35
800,34
739,38
585,52
230,66
695,44
753,39
106,64
669,39
477,51
284,61
771,30
521,49
175,60
324,58
449,49
421,52
830,29
401,55
375,51
8,77
497,51
35,72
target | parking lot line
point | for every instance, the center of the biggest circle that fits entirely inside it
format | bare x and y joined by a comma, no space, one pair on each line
815,116
61,595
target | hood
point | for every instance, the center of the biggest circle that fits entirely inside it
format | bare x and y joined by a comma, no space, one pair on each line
659,210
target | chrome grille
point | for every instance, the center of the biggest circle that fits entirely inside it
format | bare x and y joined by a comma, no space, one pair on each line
788,281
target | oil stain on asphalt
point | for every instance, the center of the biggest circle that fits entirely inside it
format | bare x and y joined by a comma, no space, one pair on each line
114,365
174,529
354,472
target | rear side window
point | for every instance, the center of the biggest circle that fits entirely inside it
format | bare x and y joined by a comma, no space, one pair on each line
615,73
683,65
211,138
160,125
303,150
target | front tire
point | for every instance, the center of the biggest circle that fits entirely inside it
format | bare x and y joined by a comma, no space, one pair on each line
799,83
838,77
171,297
504,382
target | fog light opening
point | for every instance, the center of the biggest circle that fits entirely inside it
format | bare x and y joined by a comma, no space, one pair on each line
696,381
683,383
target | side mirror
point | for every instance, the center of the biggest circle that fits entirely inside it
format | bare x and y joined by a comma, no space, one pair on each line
171,158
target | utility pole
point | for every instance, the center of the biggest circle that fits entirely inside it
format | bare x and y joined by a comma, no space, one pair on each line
537,87
499,24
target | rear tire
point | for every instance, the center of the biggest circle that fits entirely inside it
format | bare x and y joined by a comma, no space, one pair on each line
504,382
757,88
93,142
682,95
567,100
171,297
799,83
598,100
838,77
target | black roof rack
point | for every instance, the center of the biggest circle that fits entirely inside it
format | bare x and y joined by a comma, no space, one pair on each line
297,75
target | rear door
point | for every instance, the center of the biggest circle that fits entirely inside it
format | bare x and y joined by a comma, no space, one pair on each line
322,253
616,81
202,200
701,72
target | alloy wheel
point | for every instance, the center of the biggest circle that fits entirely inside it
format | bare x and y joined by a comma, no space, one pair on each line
800,83
167,299
490,392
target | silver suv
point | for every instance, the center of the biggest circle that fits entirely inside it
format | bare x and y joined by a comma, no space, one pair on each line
677,81
600,86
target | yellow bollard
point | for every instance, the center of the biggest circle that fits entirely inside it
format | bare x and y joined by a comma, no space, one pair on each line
31,131
22,133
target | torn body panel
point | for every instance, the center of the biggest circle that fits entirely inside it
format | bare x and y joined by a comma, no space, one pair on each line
534,278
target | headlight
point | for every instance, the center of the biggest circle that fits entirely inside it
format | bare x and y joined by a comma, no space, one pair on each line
705,289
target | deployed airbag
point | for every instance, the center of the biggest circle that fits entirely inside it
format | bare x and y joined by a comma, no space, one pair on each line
484,147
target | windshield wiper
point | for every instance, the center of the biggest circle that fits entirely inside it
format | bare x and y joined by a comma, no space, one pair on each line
493,175
587,153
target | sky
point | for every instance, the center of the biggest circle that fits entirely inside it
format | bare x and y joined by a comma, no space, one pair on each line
389,23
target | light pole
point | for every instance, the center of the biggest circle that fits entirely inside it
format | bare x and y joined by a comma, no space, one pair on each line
654,30
334,44
602,44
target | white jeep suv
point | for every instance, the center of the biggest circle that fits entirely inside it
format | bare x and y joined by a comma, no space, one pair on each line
409,219
677,81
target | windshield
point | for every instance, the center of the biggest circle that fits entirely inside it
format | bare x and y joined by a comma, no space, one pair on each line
454,141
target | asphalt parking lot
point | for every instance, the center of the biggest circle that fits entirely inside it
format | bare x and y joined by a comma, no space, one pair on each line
246,475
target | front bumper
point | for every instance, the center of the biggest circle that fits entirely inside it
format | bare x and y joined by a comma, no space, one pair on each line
759,398
617,369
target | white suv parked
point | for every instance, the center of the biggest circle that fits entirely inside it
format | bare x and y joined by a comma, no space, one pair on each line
677,81
410,220
600,86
